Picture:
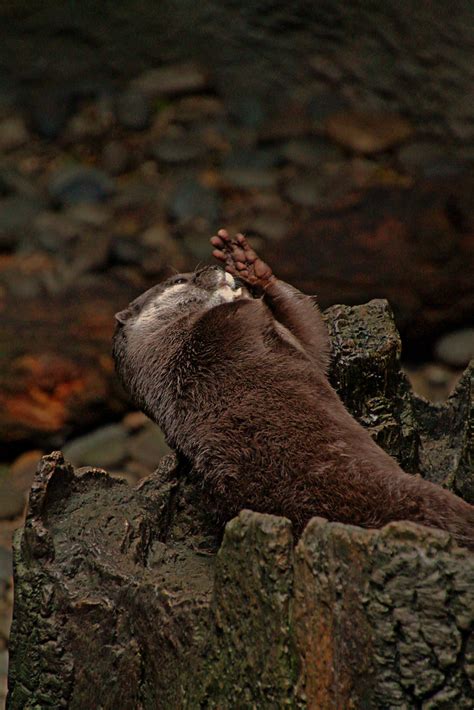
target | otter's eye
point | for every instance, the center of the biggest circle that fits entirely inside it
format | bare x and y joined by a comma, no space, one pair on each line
180,281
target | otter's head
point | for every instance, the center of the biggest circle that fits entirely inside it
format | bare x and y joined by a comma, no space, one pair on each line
180,295
152,325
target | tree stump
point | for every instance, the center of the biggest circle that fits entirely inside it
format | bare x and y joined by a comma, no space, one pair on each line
128,598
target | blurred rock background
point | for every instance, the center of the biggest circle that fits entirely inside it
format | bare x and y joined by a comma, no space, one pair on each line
340,137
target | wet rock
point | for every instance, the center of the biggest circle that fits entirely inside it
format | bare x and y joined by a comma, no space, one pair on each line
457,348
192,199
324,104
250,178
16,213
23,469
311,153
103,447
171,80
133,110
13,133
271,226
115,157
49,112
252,158
134,421
248,111
148,446
78,183
92,121
178,147
12,501
368,132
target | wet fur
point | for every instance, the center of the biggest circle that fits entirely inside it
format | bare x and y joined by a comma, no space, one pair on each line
240,389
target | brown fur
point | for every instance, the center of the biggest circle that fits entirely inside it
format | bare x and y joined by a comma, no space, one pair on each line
240,389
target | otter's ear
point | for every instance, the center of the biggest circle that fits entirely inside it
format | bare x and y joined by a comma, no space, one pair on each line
123,316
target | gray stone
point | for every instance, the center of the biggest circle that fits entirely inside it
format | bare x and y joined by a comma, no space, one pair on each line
115,157
171,80
103,447
456,348
17,212
13,133
252,158
12,501
78,183
133,110
311,153
180,148
192,199
250,178
148,446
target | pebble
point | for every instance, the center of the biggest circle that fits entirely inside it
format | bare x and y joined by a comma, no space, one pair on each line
49,113
368,132
115,157
148,446
271,226
178,148
6,565
247,111
74,184
23,469
191,199
252,158
456,348
171,80
133,421
12,501
304,191
104,447
430,159
17,212
250,178
324,104
311,153
133,110
13,133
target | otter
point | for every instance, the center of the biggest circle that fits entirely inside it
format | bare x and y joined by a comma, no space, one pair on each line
232,364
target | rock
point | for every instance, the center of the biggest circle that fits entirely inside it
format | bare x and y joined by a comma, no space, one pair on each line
23,469
432,381
250,178
92,121
148,446
371,618
16,214
133,110
12,501
171,80
6,567
252,158
192,199
311,153
88,214
104,447
134,421
456,348
13,133
49,112
324,104
271,226
54,232
74,184
247,111
115,157
430,159
368,132
304,191
178,147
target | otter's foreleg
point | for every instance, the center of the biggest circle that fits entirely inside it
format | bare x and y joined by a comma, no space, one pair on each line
293,309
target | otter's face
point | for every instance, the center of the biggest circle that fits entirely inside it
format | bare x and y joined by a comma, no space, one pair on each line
180,294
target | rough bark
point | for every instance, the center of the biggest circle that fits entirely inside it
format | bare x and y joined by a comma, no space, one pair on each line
127,597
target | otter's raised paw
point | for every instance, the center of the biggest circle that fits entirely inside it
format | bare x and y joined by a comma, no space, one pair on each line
241,260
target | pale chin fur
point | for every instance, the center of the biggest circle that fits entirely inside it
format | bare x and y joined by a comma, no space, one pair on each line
171,298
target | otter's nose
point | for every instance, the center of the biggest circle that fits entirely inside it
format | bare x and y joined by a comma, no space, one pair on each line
208,276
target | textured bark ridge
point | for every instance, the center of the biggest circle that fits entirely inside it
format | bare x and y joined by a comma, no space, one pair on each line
129,598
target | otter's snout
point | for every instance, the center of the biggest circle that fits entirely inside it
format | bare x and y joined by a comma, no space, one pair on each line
209,277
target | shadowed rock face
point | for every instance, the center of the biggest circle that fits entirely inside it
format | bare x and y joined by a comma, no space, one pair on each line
127,597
